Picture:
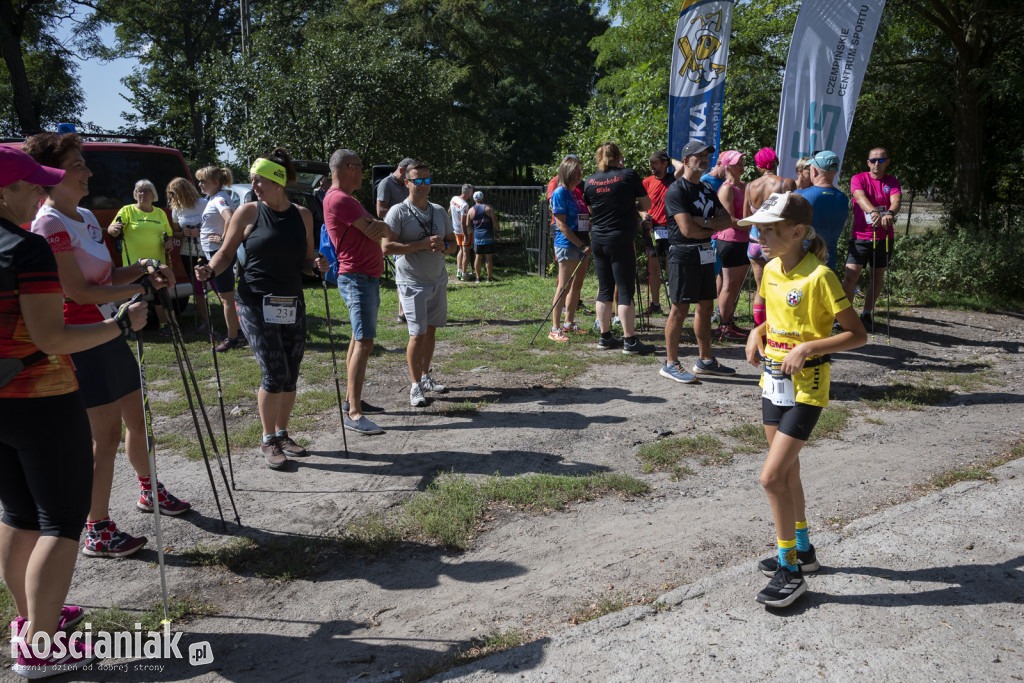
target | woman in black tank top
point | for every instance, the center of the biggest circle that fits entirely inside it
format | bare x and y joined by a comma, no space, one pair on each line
278,238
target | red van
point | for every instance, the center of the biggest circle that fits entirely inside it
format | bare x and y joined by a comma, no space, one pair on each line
117,163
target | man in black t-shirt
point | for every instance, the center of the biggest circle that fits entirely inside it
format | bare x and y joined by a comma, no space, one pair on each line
693,214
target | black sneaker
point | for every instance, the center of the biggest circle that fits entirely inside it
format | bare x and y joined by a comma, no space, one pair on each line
637,348
865,318
609,343
806,560
654,309
784,589
367,408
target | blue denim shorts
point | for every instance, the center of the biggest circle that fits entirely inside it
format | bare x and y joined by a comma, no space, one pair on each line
569,252
361,294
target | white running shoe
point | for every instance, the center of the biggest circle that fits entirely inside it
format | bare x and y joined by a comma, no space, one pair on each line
416,399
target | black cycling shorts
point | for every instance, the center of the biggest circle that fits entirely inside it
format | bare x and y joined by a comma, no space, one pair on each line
874,253
732,254
794,421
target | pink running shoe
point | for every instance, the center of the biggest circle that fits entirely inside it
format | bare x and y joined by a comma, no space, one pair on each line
33,667
169,504
70,616
104,539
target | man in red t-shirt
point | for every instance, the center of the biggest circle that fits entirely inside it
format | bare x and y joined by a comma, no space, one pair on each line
656,185
356,237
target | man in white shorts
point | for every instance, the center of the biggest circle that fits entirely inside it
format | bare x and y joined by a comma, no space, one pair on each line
423,236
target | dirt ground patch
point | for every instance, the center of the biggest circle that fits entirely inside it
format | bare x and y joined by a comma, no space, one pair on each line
398,615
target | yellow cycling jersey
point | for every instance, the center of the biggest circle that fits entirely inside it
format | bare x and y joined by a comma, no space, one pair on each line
801,306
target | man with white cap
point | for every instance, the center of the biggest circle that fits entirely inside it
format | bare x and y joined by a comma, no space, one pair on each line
693,213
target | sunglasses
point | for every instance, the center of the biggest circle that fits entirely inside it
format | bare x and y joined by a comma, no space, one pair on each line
419,181
878,161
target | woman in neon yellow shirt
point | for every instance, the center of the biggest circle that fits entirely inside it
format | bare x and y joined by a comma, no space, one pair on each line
144,232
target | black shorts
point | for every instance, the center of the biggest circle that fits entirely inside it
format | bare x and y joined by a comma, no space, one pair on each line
862,254
732,254
483,249
225,282
794,421
106,373
689,281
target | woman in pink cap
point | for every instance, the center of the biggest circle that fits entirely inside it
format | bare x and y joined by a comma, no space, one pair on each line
45,440
731,245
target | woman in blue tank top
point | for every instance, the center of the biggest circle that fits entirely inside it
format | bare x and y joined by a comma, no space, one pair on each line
484,224
278,238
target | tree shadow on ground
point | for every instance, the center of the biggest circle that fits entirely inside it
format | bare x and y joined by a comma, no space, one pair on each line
340,649
427,465
971,584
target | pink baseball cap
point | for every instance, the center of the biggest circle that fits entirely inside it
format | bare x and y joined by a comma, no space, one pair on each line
765,157
730,157
15,165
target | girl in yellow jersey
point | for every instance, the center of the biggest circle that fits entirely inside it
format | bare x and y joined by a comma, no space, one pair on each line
803,298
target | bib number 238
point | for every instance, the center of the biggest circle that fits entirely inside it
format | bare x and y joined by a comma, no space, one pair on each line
280,310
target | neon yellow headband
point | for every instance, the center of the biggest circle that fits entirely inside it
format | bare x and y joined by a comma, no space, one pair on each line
270,170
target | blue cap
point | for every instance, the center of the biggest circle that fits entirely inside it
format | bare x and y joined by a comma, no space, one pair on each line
825,160
65,128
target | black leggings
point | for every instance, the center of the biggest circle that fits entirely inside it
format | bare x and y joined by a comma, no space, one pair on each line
46,457
278,348
615,264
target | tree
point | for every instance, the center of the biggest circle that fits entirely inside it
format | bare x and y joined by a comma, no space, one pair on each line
350,84
38,80
519,65
981,33
181,48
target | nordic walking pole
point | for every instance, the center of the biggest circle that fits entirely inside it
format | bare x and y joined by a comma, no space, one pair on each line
153,481
559,300
178,341
195,420
871,280
888,261
216,371
334,358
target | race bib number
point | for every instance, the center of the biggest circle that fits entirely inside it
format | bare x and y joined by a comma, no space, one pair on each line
707,254
778,386
582,223
280,310
661,233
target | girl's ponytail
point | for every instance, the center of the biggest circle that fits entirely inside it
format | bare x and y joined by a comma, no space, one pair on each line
816,244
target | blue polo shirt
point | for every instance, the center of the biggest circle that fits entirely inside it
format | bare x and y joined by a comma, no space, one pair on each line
831,208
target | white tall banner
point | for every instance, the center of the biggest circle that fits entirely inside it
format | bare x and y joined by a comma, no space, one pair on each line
827,59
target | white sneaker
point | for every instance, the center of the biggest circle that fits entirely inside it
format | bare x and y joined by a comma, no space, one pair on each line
416,399
428,384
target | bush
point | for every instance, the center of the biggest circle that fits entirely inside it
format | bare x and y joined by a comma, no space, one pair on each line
961,264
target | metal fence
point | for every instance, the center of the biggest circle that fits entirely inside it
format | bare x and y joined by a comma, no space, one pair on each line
522,239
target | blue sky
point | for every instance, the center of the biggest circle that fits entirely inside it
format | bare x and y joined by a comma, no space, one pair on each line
101,82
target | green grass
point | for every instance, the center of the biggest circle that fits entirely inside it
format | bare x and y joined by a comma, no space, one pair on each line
831,423
667,455
451,508
600,607
278,559
468,406
903,396
449,513
179,610
976,471
748,433
477,648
